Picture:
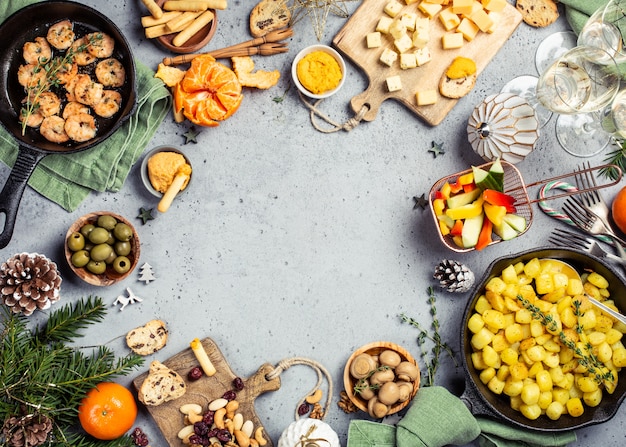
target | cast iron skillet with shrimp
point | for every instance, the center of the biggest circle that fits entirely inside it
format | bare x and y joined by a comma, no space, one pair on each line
24,26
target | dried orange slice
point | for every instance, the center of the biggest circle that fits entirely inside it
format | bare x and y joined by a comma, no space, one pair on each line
208,93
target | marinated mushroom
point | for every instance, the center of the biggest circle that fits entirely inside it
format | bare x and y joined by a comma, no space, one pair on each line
377,409
407,372
382,376
405,390
364,389
362,365
389,393
389,358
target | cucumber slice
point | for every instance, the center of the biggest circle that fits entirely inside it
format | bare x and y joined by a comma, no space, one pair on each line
463,198
485,180
471,230
517,222
497,173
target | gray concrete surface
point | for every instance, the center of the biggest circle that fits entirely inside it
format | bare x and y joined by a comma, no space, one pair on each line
291,242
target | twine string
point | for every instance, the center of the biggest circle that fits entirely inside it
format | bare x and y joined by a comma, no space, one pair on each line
322,373
315,111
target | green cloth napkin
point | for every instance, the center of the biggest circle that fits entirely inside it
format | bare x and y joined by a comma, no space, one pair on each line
578,11
68,179
437,418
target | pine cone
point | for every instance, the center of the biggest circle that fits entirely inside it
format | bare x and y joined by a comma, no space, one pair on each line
26,431
454,276
29,281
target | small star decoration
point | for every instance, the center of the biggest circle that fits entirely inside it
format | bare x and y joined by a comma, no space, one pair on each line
436,149
145,215
420,202
191,136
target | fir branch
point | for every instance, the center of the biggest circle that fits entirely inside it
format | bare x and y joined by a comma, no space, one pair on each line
439,346
616,157
63,324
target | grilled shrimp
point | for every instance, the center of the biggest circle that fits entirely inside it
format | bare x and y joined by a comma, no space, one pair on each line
66,73
53,129
110,104
100,44
79,50
87,91
80,127
33,120
49,104
61,35
110,72
74,108
31,76
37,51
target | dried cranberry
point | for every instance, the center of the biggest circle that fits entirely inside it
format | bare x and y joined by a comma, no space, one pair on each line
212,433
195,373
139,437
229,395
238,383
223,435
195,439
303,409
200,428
208,417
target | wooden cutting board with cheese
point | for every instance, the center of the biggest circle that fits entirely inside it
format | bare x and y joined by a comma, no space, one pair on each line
168,416
351,41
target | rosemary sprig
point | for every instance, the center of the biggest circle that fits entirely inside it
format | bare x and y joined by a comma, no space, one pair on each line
42,373
586,357
439,346
616,157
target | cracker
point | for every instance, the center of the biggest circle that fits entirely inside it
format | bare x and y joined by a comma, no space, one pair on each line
538,13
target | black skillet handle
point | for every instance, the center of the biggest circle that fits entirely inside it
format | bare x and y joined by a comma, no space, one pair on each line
13,190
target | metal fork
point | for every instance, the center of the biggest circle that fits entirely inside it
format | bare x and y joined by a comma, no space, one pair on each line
562,237
591,223
591,199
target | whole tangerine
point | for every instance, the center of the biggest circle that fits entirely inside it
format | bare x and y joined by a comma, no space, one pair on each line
618,210
108,411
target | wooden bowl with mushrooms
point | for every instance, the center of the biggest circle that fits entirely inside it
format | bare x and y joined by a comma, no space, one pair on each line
381,378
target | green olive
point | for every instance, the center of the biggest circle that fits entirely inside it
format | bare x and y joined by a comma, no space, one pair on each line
109,260
100,252
99,235
96,267
111,240
80,258
122,248
123,232
76,241
107,222
121,264
86,229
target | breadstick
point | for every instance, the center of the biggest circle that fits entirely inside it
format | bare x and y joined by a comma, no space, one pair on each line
215,4
154,9
177,185
180,22
202,357
156,31
185,5
148,21
195,26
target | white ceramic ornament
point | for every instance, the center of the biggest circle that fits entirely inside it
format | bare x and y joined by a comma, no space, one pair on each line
503,126
309,432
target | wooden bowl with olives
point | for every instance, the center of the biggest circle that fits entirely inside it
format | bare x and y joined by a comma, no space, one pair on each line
381,378
102,248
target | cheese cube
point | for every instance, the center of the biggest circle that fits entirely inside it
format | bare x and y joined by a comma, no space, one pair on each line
426,97
404,44
410,2
397,29
373,40
393,8
476,6
429,9
394,83
494,5
407,60
450,41
422,23
482,20
408,19
384,24
422,56
462,6
388,57
495,18
468,29
421,37
448,19
439,2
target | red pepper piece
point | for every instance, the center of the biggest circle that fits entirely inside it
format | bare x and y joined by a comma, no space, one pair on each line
484,238
457,228
500,199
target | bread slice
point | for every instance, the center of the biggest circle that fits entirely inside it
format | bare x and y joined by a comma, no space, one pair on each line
456,88
161,385
269,15
538,13
147,339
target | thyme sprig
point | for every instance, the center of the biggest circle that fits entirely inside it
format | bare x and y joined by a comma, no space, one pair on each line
363,383
41,373
439,346
586,357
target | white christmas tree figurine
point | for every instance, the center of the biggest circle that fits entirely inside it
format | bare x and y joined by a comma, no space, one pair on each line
126,300
146,274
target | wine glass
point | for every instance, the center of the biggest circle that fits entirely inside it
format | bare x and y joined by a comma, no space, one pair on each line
605,28
525,86
553,47
585,79
614,116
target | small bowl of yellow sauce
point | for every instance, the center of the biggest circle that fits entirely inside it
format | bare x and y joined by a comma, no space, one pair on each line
159,167
318,71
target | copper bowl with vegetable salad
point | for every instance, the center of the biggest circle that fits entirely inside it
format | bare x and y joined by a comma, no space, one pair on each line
482,401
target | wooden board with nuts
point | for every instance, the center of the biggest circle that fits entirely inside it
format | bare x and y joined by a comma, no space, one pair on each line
205,390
